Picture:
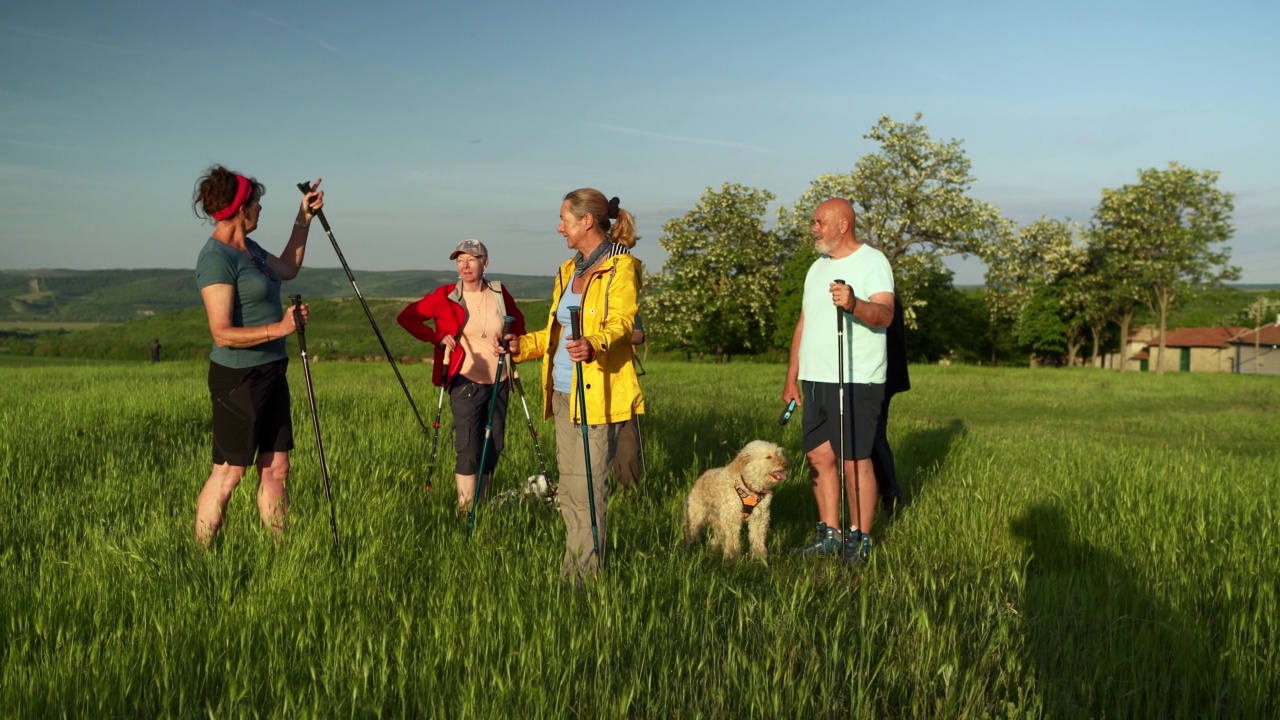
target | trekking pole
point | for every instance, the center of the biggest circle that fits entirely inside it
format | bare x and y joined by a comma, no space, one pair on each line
507,320
575,320
315,418
857,490
635,417
435,438
305,187
843,513
533,433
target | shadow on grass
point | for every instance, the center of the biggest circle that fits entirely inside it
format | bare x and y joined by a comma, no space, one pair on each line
920,457
917,458
1102,642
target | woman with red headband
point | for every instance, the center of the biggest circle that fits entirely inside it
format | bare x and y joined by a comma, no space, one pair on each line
240,284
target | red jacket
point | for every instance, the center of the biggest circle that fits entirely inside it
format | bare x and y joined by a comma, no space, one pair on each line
443,307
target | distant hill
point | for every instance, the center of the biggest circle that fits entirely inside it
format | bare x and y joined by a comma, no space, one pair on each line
338,329
123,295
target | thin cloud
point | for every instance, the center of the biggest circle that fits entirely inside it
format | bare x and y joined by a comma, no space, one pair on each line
682,138
297,30
42,145
21,30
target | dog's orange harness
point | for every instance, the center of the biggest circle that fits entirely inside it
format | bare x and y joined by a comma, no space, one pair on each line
749,499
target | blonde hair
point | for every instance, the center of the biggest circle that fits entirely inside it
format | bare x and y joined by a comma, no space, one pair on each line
621,230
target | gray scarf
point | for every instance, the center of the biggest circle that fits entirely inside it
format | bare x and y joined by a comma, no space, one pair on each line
582,264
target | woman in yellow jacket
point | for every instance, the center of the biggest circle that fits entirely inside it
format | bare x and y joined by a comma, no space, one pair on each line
603,280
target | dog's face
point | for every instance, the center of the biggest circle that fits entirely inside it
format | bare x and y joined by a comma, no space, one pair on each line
763,463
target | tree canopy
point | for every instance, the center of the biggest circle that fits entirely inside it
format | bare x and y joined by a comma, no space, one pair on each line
913,204
1162,233
717,290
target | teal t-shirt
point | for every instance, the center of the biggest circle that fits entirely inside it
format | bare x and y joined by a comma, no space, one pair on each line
257,299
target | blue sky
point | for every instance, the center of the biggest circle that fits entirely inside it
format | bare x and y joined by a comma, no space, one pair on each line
431,122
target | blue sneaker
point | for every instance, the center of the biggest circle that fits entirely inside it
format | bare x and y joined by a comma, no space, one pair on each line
826,543
857,547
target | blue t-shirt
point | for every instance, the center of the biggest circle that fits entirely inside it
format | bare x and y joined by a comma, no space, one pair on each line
256,298
561,365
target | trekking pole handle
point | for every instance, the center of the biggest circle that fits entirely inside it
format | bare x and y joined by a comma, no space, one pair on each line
296,301
507,322
575,321
305,187
855,300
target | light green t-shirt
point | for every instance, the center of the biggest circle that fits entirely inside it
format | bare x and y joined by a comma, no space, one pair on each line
867,271
257,299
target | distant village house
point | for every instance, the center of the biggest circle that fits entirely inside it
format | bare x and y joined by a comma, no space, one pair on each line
1205,349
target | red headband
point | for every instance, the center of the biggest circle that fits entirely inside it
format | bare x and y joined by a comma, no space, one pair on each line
242,194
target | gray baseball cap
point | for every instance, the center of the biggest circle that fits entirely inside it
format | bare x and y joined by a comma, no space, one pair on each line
474,248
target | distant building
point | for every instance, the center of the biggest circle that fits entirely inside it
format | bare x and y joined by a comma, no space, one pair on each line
1258,352
1195,350
1203,349
1134,353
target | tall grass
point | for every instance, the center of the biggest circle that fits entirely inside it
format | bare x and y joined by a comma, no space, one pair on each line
1073,543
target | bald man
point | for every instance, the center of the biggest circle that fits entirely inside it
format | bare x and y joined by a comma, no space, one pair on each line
864,304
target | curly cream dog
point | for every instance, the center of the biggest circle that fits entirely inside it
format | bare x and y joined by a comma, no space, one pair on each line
740,493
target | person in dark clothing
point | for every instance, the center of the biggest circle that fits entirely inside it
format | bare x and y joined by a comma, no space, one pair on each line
897,380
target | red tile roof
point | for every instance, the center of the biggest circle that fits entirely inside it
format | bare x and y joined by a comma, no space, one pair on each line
1212,337
1266,335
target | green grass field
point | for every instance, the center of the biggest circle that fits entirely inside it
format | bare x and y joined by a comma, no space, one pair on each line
1075,543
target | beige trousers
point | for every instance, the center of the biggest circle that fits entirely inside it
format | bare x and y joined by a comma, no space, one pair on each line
583,557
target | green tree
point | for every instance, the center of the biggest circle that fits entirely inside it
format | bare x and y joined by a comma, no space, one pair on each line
913,204
1029,264
791,294
951,324
1161,233
1041,329
717,289
1091,298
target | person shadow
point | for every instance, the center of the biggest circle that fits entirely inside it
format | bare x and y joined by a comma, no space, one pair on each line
918,458
1101,641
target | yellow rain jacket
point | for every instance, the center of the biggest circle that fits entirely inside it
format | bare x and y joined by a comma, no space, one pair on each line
608,315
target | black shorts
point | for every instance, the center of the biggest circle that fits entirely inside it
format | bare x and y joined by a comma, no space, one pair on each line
821,423
470,404
250,412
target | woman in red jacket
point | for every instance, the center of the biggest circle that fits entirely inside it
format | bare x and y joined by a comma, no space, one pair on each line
467,315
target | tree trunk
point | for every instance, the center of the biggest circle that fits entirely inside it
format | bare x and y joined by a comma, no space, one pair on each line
1073,349
1164,316
1124,321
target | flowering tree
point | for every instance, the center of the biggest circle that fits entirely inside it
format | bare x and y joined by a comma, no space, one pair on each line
717,289
1160,234
1035,263
913,204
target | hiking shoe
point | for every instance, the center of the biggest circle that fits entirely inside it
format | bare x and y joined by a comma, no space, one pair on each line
826,543
857,547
